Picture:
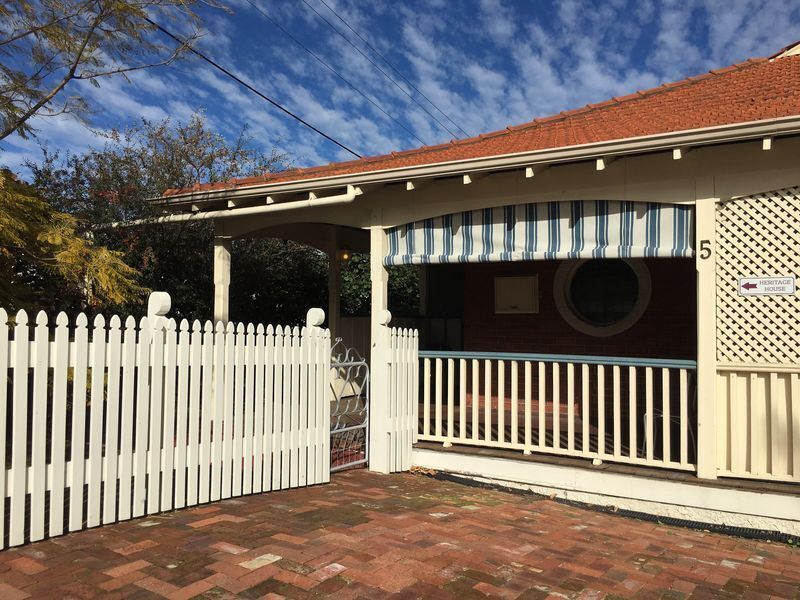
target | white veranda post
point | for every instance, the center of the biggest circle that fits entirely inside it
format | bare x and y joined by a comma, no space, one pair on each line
706,337
380,354
222,277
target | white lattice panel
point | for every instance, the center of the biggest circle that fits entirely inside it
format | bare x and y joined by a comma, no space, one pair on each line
758,236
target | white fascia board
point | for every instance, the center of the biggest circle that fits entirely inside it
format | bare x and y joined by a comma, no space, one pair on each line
663,141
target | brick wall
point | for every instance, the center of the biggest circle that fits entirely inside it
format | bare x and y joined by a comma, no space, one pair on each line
666,330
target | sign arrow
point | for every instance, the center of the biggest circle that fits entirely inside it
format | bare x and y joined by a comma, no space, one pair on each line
749,286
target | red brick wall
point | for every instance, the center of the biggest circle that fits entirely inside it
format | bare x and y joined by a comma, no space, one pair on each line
666,330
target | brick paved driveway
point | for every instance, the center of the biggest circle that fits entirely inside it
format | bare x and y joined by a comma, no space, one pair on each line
369,536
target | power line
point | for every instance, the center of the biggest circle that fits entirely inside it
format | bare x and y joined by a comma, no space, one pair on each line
395,69
250,87
332,70
377,66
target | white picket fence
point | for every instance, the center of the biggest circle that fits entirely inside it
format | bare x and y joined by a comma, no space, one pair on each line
403,396
152,417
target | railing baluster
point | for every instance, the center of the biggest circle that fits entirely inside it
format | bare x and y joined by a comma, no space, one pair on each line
601,410
542,403
462,399
501,401
617,415
476,395
514,402
556,406
633,442
487,400
450,399
648,426
585,446
666,420
527,407
426,398
438,407
684,417
570,406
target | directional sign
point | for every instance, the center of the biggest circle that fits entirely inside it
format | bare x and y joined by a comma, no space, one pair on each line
767,286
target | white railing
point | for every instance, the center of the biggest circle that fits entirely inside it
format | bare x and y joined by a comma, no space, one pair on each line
758,415
627,410
403,396
151,417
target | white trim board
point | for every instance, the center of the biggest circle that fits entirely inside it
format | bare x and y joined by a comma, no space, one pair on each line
737,508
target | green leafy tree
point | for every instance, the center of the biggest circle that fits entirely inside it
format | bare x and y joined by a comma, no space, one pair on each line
271,280
46,261
357,291
119,182
46,45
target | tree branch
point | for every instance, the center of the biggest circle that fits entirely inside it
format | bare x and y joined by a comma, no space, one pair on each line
60,86
169,60
37,29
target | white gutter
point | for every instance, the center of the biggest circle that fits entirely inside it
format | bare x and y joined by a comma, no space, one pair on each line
650,143
312,201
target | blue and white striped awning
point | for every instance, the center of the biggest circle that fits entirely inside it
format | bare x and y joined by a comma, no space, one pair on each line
546,231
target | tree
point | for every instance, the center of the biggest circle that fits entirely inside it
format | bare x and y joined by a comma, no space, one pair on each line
272,280
44,257
118,182
46,45
357,291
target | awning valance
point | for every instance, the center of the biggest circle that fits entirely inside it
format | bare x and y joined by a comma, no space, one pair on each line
548,230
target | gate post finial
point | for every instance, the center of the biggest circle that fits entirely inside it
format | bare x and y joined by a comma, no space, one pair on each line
385,317
158,305
315,317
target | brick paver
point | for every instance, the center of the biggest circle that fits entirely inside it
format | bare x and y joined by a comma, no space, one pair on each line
367,536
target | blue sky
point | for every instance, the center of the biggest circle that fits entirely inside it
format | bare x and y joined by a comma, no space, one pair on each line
485,63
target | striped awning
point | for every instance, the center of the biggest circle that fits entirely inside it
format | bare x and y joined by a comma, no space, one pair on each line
546,231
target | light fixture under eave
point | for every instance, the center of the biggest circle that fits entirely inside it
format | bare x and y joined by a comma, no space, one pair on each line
344,255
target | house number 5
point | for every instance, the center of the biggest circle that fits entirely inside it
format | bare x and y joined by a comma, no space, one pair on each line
705,249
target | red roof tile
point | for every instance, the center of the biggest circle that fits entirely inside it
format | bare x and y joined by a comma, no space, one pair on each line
754,90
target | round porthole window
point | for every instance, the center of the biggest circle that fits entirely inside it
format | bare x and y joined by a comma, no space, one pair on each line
602,297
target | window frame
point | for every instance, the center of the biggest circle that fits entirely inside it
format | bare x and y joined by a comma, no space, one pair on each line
561,294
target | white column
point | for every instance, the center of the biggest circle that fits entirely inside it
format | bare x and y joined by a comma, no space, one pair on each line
334,294
379,361
705,262
222,277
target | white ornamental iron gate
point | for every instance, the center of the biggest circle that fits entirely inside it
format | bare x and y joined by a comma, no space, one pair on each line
349,408
132,419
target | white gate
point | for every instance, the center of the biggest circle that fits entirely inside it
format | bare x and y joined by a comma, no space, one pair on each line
154,416
403,396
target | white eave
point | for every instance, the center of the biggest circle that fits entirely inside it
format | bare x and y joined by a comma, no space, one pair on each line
599,150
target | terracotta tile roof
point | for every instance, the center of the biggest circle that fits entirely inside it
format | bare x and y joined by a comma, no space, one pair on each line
754,90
